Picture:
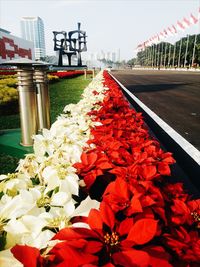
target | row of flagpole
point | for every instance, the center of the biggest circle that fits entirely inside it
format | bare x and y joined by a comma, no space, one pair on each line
165,54
155,42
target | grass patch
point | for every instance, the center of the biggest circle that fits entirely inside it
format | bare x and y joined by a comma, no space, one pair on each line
8,163
64,92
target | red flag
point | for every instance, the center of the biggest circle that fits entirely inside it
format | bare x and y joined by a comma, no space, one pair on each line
174,29
186,23
161,35
193,19
199,14
165,33
170,31
180,26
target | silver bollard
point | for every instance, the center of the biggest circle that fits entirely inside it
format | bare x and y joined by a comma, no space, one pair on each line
31,106
42,93
27,105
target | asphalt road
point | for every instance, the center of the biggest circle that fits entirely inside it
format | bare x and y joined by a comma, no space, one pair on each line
172,95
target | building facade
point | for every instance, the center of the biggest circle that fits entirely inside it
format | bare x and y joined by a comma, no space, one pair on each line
32,29
13,47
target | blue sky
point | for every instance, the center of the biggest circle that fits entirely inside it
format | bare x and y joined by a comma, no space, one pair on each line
110,25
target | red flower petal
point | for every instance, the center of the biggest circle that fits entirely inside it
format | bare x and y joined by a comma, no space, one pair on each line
125,226
107,214
143,231
131,258
95,220
28,256
158,256
149,171
164,169
74,233
93,247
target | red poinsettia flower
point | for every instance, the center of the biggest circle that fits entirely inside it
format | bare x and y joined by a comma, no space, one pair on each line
92,165
108,239
174,191
120,198
185,244
194,207
121,236
186,212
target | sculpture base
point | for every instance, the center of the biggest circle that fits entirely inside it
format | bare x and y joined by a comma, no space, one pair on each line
73,67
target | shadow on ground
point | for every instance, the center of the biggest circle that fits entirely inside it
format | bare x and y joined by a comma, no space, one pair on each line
140,88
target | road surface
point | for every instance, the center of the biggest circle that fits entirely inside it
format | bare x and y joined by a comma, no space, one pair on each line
172,95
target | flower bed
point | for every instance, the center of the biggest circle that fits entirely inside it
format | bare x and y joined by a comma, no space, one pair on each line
7,73
99,149
69,74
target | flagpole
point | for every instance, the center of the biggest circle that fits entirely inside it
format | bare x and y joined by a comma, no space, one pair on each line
158,56
153,56
179,57
165,54
174,55
186,51
169,55
193,54
161,56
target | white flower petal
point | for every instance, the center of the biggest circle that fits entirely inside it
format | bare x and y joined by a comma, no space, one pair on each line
7,259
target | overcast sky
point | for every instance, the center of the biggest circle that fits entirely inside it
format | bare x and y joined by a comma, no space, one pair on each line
109,24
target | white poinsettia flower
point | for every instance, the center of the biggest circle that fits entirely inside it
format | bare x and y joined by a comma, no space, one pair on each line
13,207
28,166
12,186
60,199
69,108
69,208
13,182
41,240
26,230
56,218
85,206
70,184
7,259
3,177
44,143
26,202
59,177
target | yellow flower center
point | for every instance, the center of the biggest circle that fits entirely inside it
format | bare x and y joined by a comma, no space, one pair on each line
59,222
196,218
44,201
111,239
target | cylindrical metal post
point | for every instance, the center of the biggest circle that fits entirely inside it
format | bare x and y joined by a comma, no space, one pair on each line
27,105
42,93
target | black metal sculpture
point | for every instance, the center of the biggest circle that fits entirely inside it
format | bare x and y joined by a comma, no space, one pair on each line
70,45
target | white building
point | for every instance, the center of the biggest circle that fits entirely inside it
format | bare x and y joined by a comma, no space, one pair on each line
32,29
13,47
